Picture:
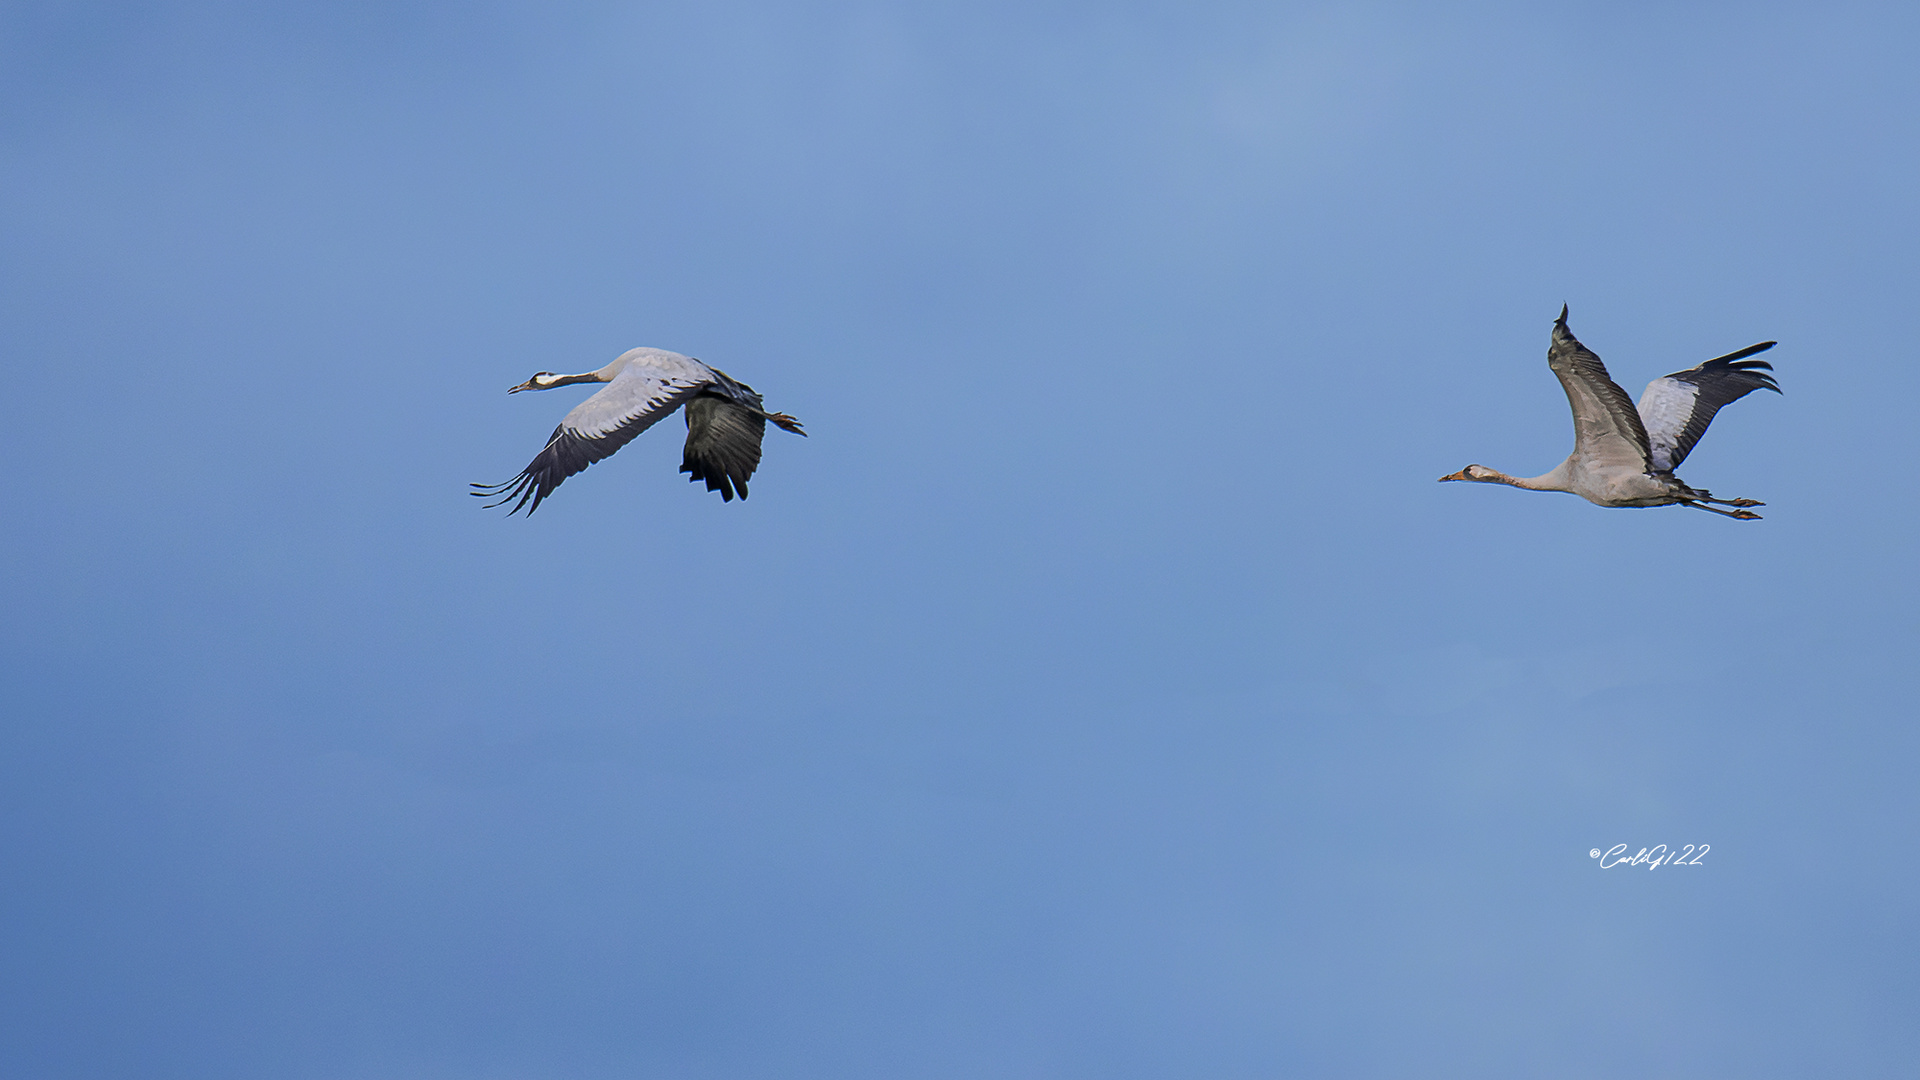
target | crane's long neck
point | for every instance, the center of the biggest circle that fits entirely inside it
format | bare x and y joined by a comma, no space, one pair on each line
547,380
1557,480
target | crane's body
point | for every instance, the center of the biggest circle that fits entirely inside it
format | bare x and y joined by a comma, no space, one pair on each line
1625,455
726,420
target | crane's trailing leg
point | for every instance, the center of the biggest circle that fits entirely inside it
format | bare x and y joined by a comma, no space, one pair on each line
1742,515
1697,495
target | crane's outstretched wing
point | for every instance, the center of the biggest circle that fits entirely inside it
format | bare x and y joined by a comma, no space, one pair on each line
723,442
1677,408
634,401
1606,428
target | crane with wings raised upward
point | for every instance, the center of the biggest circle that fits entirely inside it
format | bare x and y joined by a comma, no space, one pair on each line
1625,456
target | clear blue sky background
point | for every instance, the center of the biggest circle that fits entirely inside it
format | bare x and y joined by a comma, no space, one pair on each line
1105,690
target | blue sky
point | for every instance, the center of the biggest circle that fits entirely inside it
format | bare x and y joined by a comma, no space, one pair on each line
1105,689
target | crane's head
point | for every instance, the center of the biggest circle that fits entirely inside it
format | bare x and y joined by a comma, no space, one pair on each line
1479,473
542,380
547,380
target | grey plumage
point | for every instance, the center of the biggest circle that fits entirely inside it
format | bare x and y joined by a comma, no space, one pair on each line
1605,423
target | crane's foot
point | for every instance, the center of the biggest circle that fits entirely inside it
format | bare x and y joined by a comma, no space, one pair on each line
1747,515
1744,502
787,423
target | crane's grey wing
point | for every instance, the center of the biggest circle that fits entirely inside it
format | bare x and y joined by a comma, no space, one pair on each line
723,441
1606,427
645,390
1677,408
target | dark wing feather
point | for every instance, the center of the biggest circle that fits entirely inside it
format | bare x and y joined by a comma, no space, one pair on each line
1606,426
723,442
1677,408
566,453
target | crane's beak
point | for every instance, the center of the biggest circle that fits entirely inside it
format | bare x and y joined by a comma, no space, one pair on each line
1461,475
528,385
